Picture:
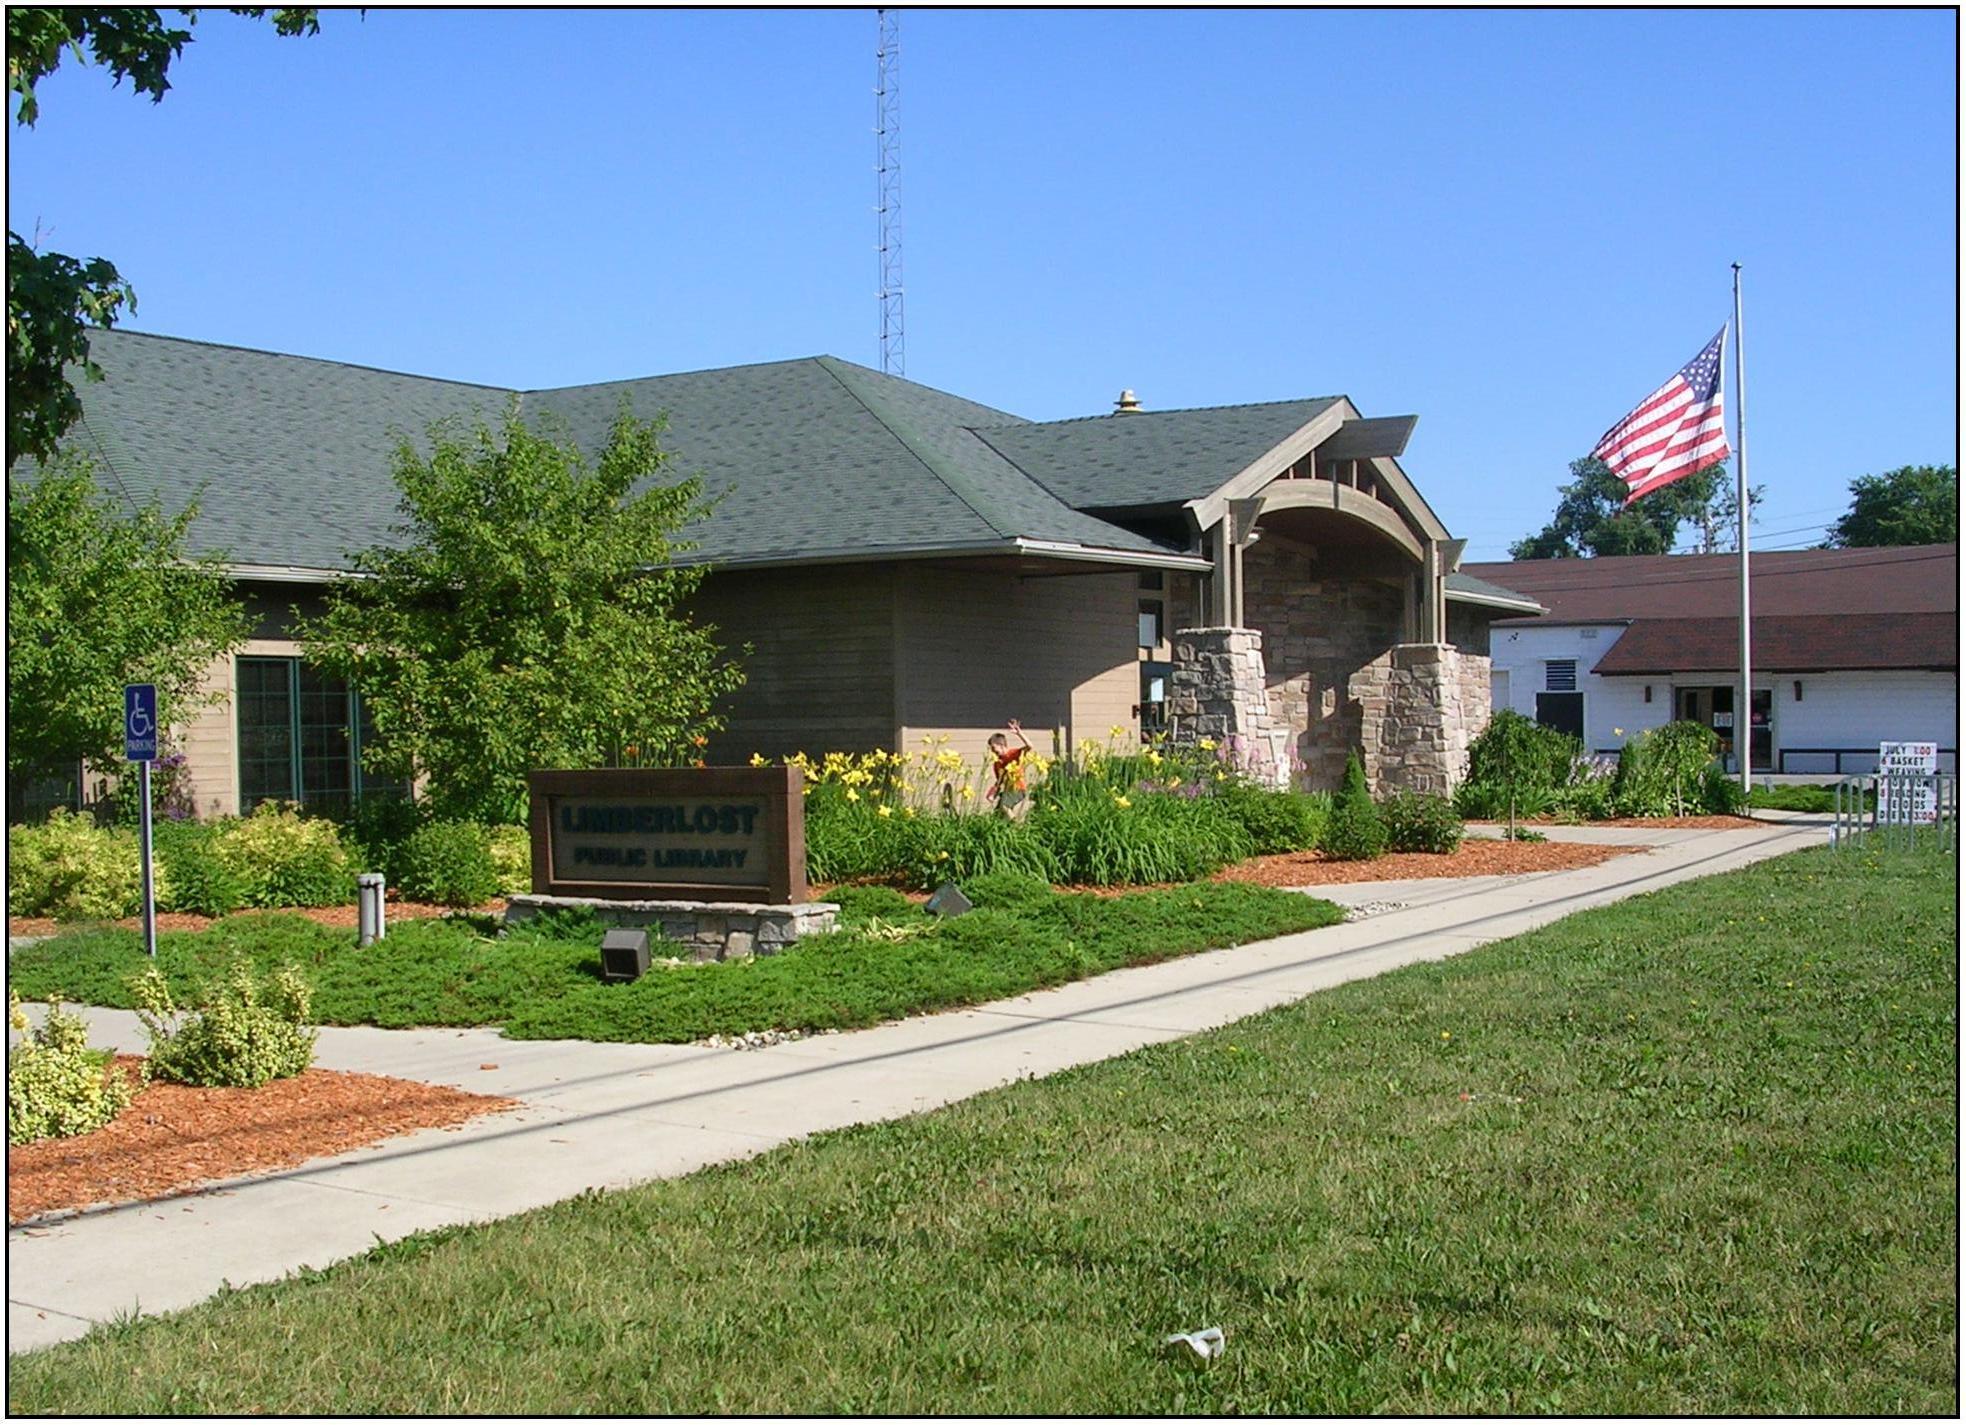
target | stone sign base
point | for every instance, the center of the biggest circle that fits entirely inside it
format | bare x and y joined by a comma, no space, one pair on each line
712,930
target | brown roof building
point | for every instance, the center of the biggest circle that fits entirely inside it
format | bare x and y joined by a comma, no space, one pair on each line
1631,642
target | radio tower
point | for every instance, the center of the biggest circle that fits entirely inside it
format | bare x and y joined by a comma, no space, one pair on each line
887,170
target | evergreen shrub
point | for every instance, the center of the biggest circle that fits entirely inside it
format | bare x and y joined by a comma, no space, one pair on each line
1355,831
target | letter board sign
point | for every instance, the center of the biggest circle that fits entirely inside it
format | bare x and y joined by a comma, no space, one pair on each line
703,833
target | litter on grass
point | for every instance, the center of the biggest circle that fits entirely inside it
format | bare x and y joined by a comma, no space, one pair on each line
1206,1343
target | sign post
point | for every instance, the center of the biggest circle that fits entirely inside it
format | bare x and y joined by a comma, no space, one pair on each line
140,747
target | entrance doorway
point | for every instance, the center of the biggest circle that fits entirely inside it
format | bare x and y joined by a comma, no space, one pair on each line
1714,707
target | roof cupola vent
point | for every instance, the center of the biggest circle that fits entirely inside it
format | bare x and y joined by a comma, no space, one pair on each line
1127,405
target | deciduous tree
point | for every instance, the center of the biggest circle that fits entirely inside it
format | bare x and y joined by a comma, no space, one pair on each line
99,596
532,616
1914,504
1592,519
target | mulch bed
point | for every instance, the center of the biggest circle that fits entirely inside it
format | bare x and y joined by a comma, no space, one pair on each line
1476,857
1667,823
172,1139
338,917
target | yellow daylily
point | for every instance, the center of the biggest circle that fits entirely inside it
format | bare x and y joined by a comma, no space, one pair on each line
757,759
885,810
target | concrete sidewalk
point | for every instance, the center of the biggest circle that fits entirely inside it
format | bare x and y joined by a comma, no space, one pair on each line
609,1115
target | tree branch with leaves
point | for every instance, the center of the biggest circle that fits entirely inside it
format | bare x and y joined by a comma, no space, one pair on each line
54,299
532,617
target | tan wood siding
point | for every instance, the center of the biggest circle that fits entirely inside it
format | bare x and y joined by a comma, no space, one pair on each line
977,649
820,676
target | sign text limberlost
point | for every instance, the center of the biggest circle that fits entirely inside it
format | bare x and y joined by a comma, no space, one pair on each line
706,833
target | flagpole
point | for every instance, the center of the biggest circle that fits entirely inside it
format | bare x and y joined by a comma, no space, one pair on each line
1744,707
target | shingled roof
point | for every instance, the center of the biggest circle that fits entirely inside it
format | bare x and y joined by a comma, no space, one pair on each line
1143,459
814,458
1898,579
1789,643
1814,610
289,457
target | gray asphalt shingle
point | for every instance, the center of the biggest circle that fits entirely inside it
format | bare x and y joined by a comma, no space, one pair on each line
811,457
1148,458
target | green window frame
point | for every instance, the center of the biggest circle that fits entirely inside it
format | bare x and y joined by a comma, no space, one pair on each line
300,738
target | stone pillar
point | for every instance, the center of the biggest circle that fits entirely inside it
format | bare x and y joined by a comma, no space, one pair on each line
1423,703
1216,691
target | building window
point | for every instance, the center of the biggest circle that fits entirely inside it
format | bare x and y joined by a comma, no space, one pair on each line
301,735
1150,612
1560,675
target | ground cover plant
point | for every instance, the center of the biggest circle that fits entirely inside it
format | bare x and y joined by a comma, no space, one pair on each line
540,980
1794,797
1689,1154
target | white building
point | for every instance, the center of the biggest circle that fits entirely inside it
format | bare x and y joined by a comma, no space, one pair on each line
1851,647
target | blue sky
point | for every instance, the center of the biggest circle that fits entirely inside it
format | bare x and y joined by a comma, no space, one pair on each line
1515,224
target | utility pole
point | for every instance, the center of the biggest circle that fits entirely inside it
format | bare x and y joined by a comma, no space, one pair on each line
887,174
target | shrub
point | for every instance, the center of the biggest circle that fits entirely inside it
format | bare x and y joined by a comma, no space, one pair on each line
1354,789
199,877
1720,794
57,1086
1355,832
1415,821
1659,771
284,859
511,853
72,869
243,1034
1276,821
1515,751
449,863
1481,801
375,830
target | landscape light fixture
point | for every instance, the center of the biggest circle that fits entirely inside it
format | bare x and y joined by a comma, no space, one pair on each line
948,900
624,955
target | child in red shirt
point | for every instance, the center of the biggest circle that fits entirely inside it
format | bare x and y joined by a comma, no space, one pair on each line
1007,789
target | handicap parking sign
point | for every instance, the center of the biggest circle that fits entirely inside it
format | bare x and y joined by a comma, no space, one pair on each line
140,722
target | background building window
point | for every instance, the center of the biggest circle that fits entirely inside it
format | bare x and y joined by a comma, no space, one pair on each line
301,735
1560,675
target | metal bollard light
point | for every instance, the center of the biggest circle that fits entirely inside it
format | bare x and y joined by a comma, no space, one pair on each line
368,908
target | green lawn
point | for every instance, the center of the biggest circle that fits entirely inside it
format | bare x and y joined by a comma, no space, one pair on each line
542,980
1693,1153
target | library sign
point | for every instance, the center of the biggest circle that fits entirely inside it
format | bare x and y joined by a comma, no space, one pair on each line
702,833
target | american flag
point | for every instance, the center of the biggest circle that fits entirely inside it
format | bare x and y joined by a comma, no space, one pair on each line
1676,430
